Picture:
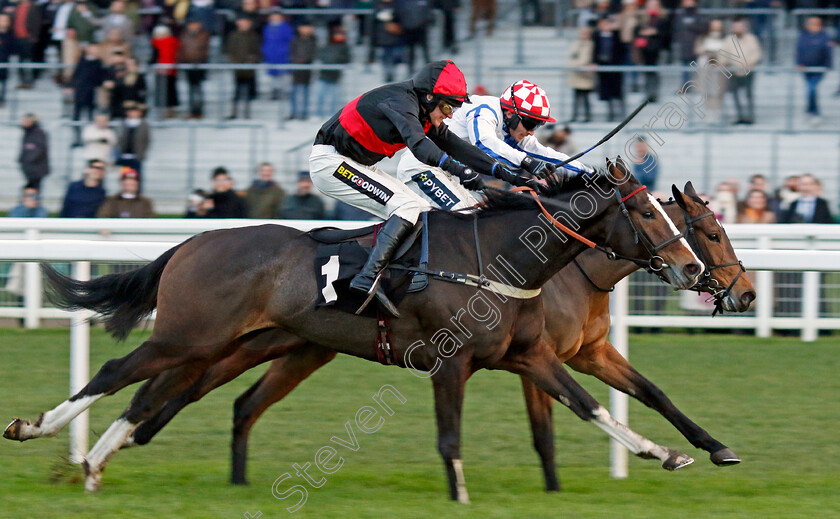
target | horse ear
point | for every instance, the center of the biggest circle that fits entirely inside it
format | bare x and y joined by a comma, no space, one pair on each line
619,170
689,190
678,196
621,163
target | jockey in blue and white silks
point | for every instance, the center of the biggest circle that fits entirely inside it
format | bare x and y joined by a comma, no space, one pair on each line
503,127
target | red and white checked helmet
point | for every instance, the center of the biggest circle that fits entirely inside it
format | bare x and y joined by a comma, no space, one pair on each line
528,100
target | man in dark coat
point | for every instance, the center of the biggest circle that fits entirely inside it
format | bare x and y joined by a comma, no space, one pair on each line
88,76
27,28
609,50
809,207
689,25
449,8
243,47
223,201
302,52
34,152
195,49
84,197
303,205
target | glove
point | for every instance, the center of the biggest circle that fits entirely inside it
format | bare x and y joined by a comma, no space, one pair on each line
469,178
538,168
537,186
501,171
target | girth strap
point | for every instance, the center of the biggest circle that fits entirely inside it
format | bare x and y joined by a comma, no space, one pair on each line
475,281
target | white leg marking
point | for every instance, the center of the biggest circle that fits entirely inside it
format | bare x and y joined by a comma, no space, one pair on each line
463,497
634,442
674,229
108,444
53,421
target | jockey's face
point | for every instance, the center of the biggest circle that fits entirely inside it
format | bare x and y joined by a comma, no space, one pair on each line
519,132
439,114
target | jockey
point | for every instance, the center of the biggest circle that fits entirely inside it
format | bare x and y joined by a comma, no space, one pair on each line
380,123
503,127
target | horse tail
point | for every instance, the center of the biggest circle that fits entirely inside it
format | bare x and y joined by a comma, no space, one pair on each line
123,299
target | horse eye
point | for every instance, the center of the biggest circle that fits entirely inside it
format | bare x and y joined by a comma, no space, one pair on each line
714,237
648,215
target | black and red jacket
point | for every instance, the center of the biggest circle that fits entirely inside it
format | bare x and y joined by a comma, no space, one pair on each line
389,118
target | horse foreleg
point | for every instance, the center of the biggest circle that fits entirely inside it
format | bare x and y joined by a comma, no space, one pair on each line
448,384
544,369
538,403
146,361
284,374
604,362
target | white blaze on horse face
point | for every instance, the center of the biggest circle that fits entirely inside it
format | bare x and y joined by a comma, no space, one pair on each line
676,231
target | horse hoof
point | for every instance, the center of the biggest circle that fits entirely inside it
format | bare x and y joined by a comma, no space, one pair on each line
724,457
93,480
14,431
677,460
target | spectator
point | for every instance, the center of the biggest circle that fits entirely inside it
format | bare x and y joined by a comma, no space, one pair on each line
197,204
302,52
26,29
250,9
7,40
83,23
243,46
34,152
135,137
195,49
166,78
688,26
202,11
483,10
756,208
128,203
725,202
748,50
61,18
711,79
223,202
387,34
84,197
99,139
627,21
114,48
809,207
71,53
303,205
116,19
449,8
29,206
609,50
560,140
644,164
347,212
813,50
129,87
415,16
786,195
582,81
336,52
759,182
277,38
534,7
87,77
649,41
264,195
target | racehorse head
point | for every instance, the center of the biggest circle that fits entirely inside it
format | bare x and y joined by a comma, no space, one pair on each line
723,277
644,233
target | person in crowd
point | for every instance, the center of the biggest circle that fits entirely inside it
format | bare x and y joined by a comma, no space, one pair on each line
302,52
725,202
100,140
264,195
756,208
483,10
134,138
416,16
711,80
813,49
251,9
117,19
243,47
197,204
645,164
70,53
609,50
759,182
61,19
88,76
627,21
388,36
83,23
129,87
223,202
84,197
7,41
335,52
560,139
165,46
29,205
195,50
786,194
303,205
533,8
649,41
277,39
128,203
746,46
688,26
202,11
582,81
34,152
809,207
449,8
114,48
347,212
26,29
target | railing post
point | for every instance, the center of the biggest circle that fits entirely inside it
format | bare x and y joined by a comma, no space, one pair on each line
764,296
619,307
79,368
31,289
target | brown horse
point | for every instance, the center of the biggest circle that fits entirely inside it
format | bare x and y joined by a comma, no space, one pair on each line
268,286
576,304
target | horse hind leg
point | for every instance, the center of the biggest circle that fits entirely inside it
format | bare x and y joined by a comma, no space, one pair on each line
147,360
538,404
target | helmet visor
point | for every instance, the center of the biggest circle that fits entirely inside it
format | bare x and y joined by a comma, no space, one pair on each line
531,124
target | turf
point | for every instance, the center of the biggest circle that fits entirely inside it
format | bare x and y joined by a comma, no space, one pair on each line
774,402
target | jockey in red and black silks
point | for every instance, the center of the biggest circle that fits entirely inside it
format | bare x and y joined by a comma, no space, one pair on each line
376,125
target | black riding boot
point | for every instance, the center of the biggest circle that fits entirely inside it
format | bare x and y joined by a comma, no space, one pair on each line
387,241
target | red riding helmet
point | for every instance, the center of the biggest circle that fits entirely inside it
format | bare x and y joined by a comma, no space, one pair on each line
527,100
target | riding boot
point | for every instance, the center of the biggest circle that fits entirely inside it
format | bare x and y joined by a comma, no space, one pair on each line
387,241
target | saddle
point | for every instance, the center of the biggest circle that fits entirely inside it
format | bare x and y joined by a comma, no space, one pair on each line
341,253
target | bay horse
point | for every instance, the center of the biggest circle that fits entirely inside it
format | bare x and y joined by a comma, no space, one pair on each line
268,285
576,307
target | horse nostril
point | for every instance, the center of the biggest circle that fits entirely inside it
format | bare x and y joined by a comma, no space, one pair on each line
692,270
748,297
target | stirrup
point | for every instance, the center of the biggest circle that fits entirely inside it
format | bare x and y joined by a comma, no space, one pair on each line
371,293
390,307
